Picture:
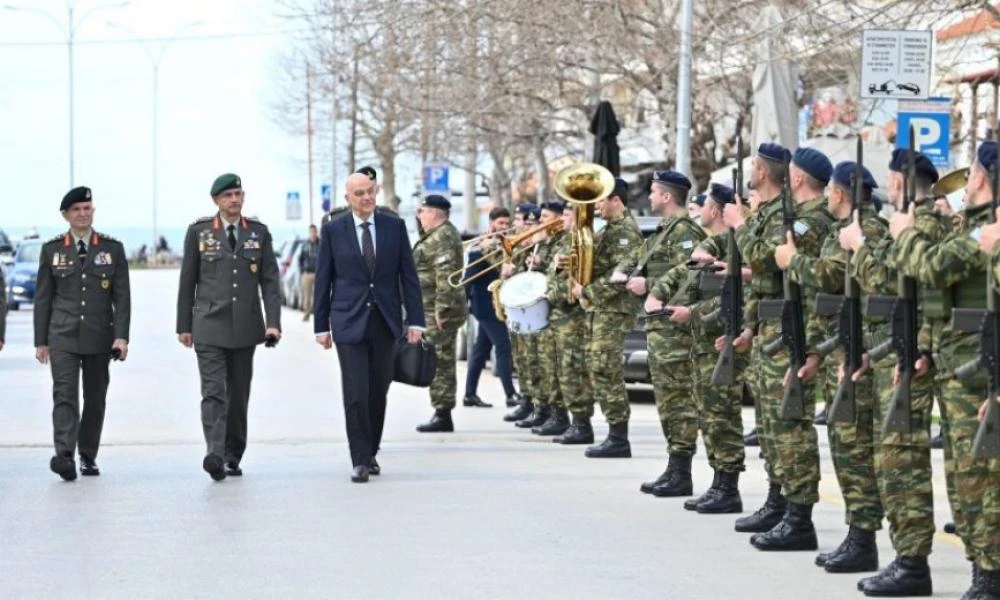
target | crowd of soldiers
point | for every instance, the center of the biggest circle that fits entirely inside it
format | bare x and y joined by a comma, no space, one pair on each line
883,475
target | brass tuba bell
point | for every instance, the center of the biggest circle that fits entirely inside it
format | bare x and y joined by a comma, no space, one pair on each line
583,184
952,182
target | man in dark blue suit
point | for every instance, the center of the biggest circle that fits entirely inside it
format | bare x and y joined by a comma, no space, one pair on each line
365,264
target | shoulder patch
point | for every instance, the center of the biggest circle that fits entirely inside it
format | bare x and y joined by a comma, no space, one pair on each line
687,245
800,227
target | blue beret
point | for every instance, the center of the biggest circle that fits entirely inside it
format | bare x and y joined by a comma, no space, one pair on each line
75,196
672,178
369,171
722,194
923,165
699,199
554,206
814,163
225,182
775,152
621,189
437,201
844,170
986,156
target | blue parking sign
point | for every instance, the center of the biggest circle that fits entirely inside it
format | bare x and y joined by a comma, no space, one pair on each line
436,177
931,122
324,192
293,208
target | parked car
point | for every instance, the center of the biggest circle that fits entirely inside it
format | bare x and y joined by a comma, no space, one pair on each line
6,251
637,377
291,280
285,263
23,274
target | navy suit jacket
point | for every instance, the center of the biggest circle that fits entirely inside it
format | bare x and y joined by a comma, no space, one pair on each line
477,292
347,293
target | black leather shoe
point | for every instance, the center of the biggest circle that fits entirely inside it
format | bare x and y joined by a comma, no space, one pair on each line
373,467
233,469
212,464
536,418
726,499
767,516
88,467
556,424
475,401
751,438
580,432
859,553
513,400
63,466
616,445
520,413
905,576
440,422
360,474
678,483
794,532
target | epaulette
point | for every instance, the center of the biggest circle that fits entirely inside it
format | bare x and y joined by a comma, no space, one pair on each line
203,220
57,238
107,238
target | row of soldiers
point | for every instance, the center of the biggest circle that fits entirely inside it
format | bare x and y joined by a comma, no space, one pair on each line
882,475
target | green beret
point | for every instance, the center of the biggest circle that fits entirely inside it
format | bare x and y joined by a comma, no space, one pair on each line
229,181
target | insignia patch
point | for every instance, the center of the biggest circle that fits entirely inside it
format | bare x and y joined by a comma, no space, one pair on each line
253,235
253,267
687,245
102,258
800,227
105,284
623,241
55,259
976,233
442,259
251,245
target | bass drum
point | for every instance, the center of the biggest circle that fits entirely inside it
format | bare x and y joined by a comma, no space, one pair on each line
523,299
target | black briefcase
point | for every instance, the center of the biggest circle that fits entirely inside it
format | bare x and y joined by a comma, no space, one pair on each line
414,364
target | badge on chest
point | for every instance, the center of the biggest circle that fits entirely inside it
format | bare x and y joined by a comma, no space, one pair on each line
208,243
102,258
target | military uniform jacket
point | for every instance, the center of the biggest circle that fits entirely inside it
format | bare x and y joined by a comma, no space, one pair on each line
219,297
616,243
438,254
82,306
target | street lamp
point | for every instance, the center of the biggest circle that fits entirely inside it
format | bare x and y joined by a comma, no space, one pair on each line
154,59
69,30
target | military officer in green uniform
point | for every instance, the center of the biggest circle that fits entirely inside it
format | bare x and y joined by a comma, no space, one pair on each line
228,267
611,315
82,312
958,265
437,255
650,275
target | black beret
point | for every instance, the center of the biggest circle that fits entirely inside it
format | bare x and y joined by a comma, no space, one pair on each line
722,194
621,189
554,206
775,152
923,165
699,199
672,178
75,196
844,170
437,201
986,156
227,181
814,163
370,172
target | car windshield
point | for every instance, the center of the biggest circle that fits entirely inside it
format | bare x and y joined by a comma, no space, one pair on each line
28,253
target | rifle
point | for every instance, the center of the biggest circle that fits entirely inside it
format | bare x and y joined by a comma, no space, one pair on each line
986,444
793,329
850,335
901,309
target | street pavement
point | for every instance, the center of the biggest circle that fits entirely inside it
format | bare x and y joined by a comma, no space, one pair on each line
487,512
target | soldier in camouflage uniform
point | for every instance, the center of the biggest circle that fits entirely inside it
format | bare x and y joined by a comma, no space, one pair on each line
525,346
438,254
668,339
958,265
790,446
902,461
851,444
719,406
611,314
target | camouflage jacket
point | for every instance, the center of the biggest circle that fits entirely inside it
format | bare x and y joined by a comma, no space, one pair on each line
437,255
618,241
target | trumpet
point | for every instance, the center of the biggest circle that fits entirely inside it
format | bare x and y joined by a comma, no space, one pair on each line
508,247
483,237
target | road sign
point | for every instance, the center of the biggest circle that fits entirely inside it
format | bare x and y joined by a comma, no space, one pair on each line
896,64
931,121
293,208
436,177
324,191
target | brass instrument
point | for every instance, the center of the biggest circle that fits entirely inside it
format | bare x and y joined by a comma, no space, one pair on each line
583,184
509,248
494,290
952,182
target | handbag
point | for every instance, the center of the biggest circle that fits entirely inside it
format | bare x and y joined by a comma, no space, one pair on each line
414,364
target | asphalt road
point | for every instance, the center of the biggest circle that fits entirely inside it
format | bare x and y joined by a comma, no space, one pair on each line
486,512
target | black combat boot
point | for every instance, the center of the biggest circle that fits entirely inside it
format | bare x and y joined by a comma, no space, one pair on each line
513,400
536,418
440,422
679,483
580,432
990,584
905,576
726,498
794,532
614,446
767,516
979,590
751,439
692,503
858,553
524,408
556,424
646,487
823,557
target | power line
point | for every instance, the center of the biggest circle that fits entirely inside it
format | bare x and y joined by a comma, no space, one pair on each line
191,38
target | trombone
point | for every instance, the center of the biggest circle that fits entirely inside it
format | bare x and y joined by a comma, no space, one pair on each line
508,247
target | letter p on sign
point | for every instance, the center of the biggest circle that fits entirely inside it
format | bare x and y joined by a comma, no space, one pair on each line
926,132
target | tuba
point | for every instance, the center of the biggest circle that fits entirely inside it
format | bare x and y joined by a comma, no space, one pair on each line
583,184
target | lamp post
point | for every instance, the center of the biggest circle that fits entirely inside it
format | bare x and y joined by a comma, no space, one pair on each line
154,59
69,30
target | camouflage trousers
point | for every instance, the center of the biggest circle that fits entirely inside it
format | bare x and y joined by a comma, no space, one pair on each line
548,367
571,353
791,451
606,363
903,465
852,448
720,414
669,355
977,482
525,351
444,385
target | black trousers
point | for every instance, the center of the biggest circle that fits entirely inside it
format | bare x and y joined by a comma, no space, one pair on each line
68,428
226,374
366,372
492,334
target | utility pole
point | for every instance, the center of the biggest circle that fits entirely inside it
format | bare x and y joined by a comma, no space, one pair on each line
683,159
352,146
309,136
